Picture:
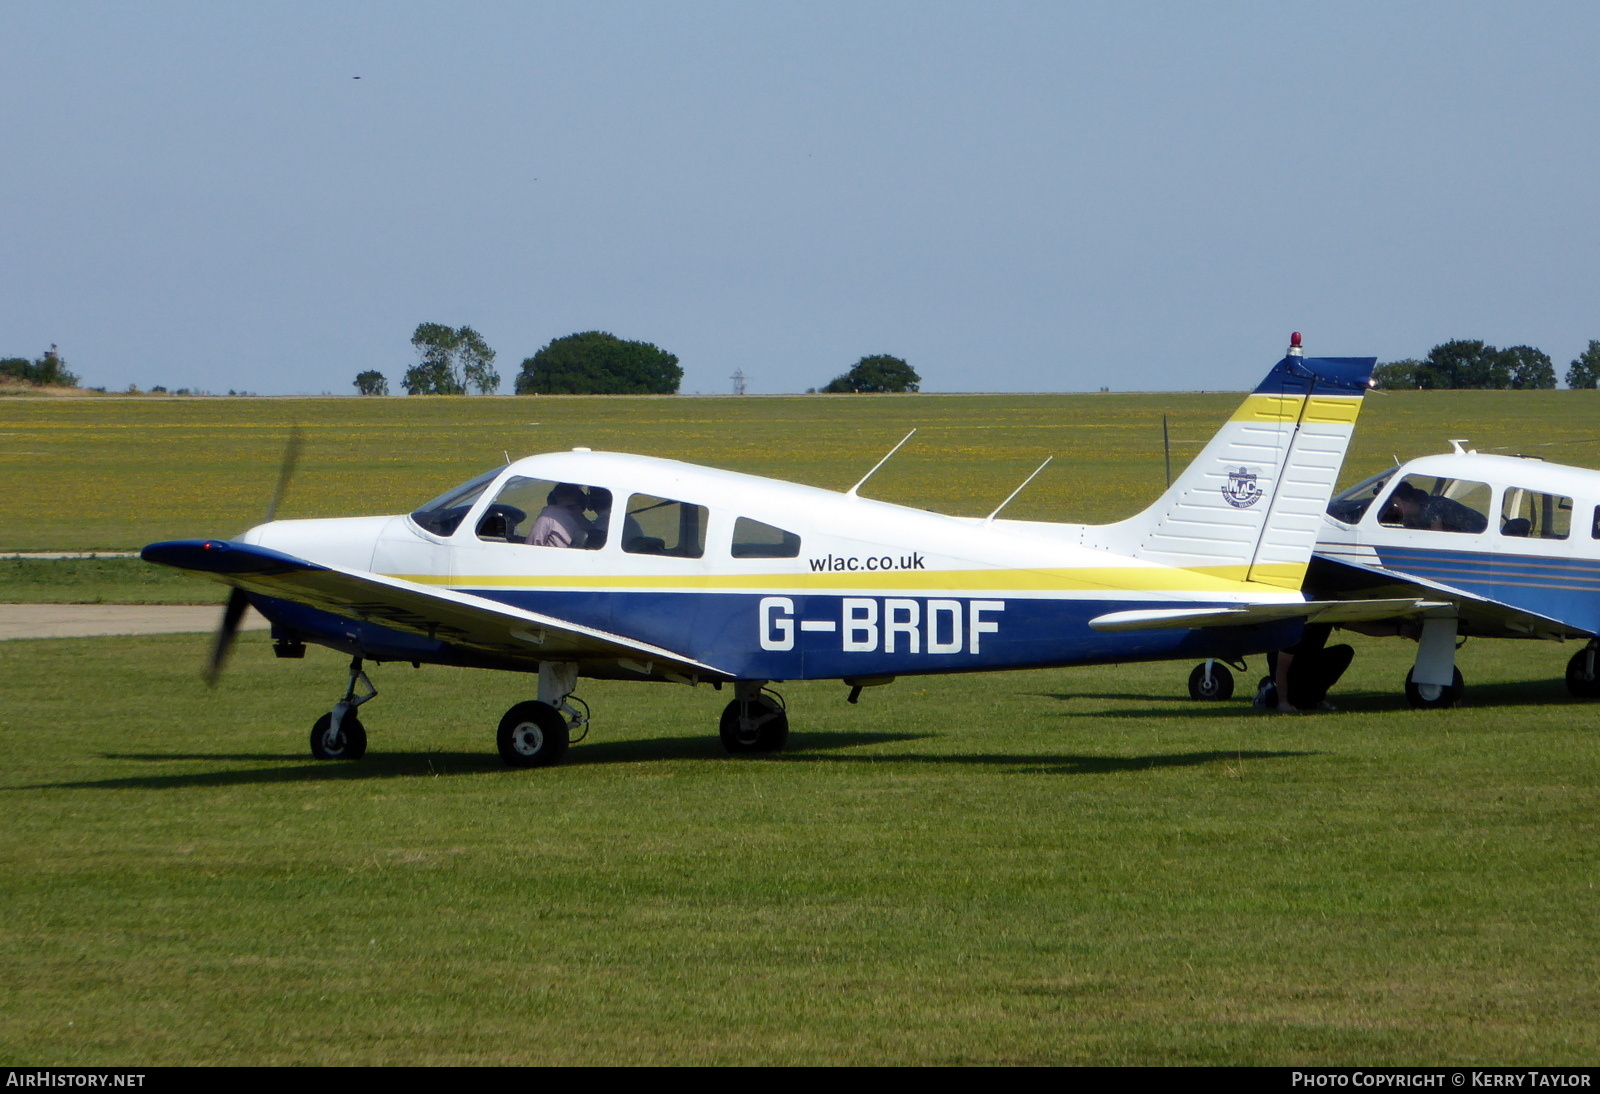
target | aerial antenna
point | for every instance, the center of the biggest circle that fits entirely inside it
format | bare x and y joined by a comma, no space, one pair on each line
1166,447
850,493
1018,490
507,455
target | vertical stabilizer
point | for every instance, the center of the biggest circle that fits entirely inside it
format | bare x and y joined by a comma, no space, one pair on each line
1250,505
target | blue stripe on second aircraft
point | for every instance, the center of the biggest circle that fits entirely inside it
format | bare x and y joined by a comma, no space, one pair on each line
1566,590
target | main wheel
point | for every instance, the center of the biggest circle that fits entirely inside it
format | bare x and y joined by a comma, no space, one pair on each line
762,727
532,734
1219,687
1432,696
349,744
1583,675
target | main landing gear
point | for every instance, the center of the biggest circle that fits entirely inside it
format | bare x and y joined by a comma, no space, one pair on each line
756,720
1583,672
536,733
1212,682
339,734
1434,682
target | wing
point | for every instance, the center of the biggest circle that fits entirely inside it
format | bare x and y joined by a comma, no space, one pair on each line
461,619
1312,611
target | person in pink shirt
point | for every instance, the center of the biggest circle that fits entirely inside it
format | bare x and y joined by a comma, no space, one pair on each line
561,523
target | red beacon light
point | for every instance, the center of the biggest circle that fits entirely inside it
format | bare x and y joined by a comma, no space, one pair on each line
1294,344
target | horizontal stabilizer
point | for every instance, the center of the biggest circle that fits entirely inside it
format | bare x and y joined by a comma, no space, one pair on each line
460,619
1312,611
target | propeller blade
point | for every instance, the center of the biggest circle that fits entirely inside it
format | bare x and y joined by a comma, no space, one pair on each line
291,456
231,615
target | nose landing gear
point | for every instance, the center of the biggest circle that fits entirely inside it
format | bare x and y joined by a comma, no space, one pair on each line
339,734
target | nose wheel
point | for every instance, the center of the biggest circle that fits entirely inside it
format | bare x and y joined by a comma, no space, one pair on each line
339,734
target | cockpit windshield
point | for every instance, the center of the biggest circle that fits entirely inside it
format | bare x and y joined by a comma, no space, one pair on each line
443,514
1352,504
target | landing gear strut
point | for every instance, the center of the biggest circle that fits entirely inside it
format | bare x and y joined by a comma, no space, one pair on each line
1434,682
536,733
756,720
339,734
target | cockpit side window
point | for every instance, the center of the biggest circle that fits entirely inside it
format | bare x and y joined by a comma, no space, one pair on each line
1437,505
752,539
443,515
661,526
1532,515
545,513
1351,505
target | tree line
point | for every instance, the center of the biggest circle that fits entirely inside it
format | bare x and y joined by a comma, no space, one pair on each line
454,361
1467,363
457,360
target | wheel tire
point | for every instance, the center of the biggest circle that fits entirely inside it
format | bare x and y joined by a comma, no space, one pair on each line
351,743
769,733
1448,697
1579,683
1221,686
533,734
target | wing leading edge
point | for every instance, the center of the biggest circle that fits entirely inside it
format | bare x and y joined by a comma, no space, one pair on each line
439,614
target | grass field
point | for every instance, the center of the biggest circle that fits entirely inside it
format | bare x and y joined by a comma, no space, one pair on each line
1061,866
1037,867
115,474
101,581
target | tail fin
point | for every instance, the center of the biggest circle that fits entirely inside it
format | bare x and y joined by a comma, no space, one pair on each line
1250,505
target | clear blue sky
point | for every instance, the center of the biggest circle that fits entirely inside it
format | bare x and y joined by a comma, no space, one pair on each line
1025,197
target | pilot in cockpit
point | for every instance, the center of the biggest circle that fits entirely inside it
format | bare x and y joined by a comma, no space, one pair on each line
561,522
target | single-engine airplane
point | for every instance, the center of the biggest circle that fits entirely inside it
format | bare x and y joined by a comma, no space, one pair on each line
665,571
1510,543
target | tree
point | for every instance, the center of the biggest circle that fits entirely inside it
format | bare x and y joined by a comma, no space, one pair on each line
1396,375
597,363
1463,363
448,361
1529,368
46,370
372,382
878,373
1585,368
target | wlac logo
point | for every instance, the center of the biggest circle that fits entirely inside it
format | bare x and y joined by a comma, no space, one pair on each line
1242,490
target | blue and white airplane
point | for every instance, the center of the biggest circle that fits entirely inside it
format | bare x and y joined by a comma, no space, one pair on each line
673,572
1509,547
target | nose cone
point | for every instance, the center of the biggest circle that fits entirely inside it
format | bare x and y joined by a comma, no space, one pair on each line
343,542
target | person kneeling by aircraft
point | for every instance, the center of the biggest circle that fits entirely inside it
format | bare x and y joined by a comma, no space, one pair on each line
1303,673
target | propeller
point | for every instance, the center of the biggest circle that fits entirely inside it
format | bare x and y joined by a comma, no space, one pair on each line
238,602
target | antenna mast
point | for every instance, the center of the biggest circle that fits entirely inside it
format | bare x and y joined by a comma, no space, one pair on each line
850,493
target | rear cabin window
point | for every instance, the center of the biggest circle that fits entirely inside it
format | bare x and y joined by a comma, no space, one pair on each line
543,513
1594,530
661,526
1437,505
1352,504
752,539
1532,515
443,515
